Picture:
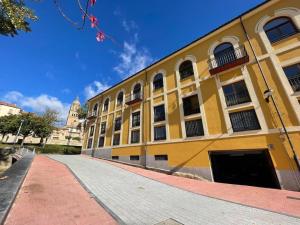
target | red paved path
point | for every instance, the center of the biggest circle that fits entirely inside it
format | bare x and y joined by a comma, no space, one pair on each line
269,199
51,195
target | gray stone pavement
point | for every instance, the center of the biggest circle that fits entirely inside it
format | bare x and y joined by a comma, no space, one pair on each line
135,199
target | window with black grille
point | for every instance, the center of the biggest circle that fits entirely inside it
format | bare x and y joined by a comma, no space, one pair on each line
118,122
236,93
116,140
158,81
191,105
120,98
92,131
103,128
101,141
137,91
105,105
135,119
135,136
134,157
293,75
161,157
115,157
160,133
280,28
90,142
244,120
194,128
224,54
159,113
186,69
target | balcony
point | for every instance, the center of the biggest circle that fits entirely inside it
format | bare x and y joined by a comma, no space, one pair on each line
133,98
92,115
228,59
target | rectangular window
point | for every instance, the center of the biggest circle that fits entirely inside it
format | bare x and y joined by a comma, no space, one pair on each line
135,136
90,142
244,120
115,157
194,128
116,139
236,93
191,105
101,142
160,133
103,128
293,75
159,113
161,157
134,157
92,131
136,119
118,122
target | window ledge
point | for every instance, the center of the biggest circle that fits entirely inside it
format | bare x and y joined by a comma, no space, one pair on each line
239,106
246,132
193,116
296,94
135,128
163,122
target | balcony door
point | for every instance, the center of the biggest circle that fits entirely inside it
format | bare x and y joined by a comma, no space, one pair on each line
224,53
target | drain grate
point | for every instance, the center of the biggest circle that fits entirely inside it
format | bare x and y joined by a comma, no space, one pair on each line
169,222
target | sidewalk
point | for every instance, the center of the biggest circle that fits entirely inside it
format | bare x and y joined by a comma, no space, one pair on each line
281,201
51,195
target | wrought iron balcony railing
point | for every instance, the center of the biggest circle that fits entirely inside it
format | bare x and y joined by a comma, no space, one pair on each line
295,82
134,98
92,115
235,99
228,59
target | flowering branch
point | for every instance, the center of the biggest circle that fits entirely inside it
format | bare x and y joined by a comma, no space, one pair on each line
100,35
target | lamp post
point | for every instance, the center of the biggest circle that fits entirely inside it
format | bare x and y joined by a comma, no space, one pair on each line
22,121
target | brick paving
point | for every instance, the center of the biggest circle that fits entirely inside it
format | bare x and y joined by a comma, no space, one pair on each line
51,195
281,201
136,199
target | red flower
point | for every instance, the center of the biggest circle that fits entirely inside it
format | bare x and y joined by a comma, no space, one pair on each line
100,36
94,21
92,2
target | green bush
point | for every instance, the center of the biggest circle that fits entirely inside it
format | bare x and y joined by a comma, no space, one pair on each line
59,149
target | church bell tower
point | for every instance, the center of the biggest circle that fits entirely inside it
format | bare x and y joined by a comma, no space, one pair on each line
73,120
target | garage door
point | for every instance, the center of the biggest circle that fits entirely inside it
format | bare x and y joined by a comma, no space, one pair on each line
253,168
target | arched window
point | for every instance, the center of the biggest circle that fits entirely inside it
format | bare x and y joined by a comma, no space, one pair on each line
224,53
158,81
186,69
120,98
95,109
105,106
279,28
137,91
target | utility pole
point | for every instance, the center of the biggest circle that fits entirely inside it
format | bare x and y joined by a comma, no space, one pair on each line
22,121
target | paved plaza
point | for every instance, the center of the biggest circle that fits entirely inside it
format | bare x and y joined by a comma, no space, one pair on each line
136,199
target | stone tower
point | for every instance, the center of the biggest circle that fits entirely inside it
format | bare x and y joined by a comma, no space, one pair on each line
73,120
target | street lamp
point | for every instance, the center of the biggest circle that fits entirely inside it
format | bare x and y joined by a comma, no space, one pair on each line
22,121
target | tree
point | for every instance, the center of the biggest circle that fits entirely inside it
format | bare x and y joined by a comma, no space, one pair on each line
9,125
27,129
82,111
45,124
13,17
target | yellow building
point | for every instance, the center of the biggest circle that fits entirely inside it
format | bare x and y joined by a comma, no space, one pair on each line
217,108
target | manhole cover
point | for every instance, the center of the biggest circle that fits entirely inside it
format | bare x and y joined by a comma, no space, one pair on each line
169,222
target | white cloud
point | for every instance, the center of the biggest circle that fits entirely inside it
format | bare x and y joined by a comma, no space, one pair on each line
95,88
129,25
38,104
133,59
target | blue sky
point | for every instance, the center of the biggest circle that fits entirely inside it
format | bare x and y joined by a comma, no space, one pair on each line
54,63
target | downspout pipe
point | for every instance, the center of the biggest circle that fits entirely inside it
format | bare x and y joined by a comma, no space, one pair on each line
271,96
145,122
